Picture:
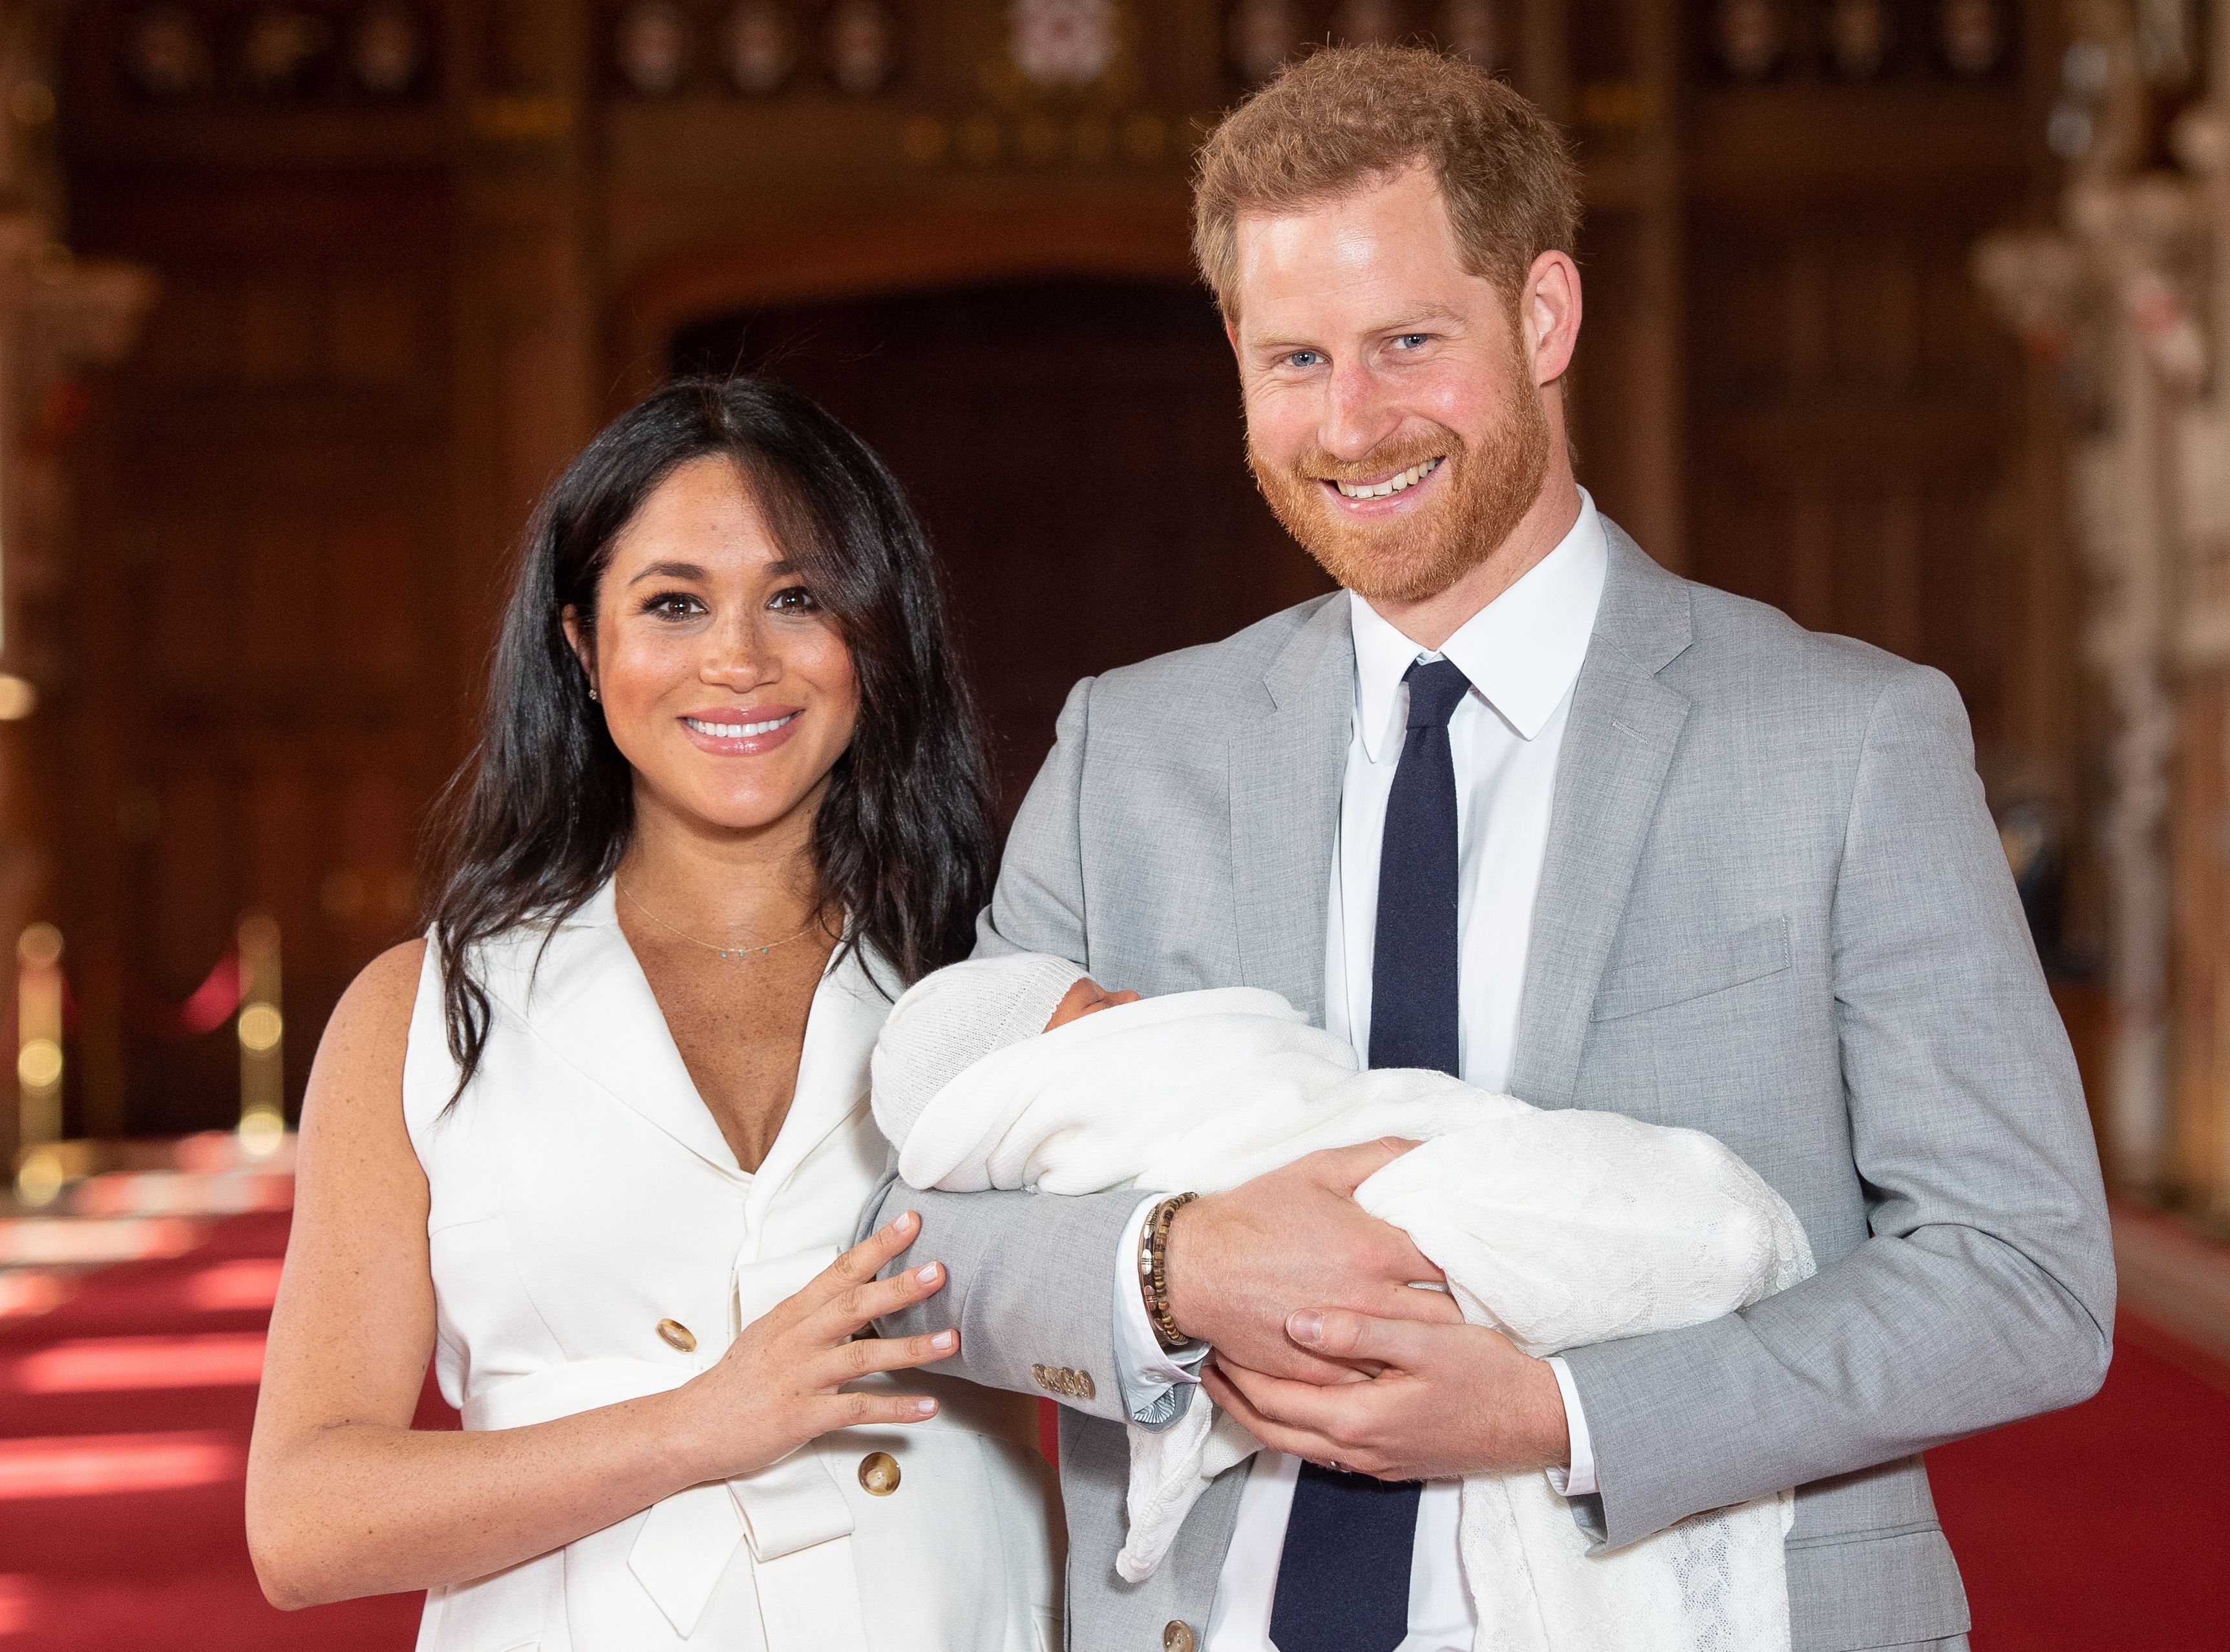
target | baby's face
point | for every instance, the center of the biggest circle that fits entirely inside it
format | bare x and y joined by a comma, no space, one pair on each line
1087,997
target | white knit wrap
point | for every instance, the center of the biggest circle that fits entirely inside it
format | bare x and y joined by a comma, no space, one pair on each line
1556,1228
952,1019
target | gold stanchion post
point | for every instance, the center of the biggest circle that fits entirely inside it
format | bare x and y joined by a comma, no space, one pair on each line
262,1034
39,1170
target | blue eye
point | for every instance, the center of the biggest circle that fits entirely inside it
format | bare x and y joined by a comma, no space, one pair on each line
1304,358
1414,340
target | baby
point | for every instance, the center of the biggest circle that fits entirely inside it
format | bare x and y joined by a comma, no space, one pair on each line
1556,1227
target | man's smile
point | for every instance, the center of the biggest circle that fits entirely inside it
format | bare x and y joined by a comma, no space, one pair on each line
1386,487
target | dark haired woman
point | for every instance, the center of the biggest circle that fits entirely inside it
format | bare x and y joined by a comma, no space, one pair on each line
596,1146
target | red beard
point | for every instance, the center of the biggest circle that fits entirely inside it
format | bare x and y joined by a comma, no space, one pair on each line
1480,495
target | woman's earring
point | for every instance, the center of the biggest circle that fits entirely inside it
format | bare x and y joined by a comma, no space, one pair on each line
592,691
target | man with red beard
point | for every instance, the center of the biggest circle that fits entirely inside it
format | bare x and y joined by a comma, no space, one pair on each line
1518,804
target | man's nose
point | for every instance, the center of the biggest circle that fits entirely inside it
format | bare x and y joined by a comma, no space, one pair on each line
1356,416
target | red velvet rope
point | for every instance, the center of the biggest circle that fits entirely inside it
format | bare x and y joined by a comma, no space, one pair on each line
208,1006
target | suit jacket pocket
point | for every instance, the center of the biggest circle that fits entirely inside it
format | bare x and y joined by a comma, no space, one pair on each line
1874,1589
1680,966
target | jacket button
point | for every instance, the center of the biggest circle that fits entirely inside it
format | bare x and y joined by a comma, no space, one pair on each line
879,1473
1038,1375
1084,1388
677,1336
1176,1636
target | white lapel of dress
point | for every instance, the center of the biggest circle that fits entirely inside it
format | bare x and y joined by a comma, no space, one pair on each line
846,1014
587,1000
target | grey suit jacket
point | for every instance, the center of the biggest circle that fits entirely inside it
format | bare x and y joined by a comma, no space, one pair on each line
1774,908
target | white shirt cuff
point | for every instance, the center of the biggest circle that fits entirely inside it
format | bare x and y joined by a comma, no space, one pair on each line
1578,1480
1146,1370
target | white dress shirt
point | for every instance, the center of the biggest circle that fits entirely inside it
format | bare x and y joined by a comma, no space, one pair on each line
1522,654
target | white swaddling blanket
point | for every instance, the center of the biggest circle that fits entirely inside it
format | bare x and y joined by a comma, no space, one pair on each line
1554,1227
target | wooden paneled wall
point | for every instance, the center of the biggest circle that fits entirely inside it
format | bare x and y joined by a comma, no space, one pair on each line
389,318
261,694
1083,477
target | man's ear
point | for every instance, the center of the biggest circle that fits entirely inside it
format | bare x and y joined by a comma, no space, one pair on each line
1550,313
1231,334
578,640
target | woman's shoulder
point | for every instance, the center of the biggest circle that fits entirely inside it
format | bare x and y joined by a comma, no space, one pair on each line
373,1017
388,984
358,1074
395,970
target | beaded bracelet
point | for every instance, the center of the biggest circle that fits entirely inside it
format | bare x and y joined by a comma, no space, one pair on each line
1154,1271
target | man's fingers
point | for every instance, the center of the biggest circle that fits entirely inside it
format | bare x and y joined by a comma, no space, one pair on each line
1348,1168
1340,1333
1417,1305
1381,1252
1327,1411
1279,1437
1299,1364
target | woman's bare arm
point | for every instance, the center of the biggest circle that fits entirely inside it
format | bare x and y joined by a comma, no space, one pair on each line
344,1499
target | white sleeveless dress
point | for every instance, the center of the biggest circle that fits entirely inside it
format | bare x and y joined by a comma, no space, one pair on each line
583,1195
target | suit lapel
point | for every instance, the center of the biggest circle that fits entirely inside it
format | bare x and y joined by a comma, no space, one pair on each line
1619,742
1287,765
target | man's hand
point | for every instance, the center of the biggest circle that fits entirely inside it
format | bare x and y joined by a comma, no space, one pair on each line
1240,1262
1449,1400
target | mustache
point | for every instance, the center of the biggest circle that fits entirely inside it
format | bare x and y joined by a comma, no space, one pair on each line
1394,454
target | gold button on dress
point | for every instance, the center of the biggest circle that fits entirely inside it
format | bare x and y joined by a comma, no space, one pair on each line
1176,1636
879,1473
592,1239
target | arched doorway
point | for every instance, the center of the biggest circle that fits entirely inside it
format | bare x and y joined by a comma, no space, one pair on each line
1075,449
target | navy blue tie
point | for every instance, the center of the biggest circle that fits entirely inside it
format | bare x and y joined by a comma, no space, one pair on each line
1344,1580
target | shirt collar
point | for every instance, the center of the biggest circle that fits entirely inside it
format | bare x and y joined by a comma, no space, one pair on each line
1522,652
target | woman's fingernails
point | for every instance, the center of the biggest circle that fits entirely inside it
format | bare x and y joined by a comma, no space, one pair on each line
926,1276
942,1339
926,1407
1307,1325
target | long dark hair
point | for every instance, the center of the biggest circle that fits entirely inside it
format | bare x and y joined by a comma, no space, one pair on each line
539,815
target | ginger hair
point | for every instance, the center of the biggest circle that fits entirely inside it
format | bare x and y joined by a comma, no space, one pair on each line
1344,118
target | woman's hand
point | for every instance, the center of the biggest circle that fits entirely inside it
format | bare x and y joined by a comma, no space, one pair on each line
777,1386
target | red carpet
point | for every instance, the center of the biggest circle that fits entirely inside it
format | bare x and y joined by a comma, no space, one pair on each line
2102,1528
119,1499
2107,1527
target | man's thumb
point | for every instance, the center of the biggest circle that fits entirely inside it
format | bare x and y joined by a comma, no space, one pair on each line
1358,1163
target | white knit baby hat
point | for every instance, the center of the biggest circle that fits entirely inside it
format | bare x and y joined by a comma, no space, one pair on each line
947,1022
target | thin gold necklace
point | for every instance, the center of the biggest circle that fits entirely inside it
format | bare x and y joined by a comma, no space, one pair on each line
725,951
